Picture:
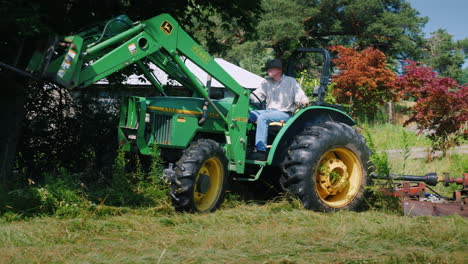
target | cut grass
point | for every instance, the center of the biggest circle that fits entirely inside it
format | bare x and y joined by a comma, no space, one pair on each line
274,233
278,232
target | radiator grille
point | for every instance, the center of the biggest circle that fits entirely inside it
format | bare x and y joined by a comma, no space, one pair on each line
162,129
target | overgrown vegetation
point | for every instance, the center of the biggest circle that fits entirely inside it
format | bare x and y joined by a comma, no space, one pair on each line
63,194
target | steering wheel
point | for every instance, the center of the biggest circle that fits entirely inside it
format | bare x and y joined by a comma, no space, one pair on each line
262,103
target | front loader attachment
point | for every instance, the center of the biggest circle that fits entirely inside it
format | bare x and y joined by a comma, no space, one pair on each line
59,62
132,125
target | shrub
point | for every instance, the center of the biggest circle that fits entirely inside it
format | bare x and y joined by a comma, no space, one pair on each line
60,194
441,103
364,81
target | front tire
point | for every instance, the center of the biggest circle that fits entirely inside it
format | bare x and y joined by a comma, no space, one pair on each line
201,178
327,167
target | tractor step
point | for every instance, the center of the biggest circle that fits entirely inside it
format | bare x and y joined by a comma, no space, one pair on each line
256,162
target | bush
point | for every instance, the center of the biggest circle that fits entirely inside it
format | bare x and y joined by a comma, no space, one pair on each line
364,82
441,103
60,194
65,131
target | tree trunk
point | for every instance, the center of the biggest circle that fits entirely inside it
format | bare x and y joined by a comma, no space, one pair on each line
11,115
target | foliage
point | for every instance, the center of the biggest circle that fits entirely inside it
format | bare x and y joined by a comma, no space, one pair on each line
60,194
60,131
445,55
392,26
441,103
310,85
464,77
136,181
64,194
364,81
406,151
25,20
381,167
251,56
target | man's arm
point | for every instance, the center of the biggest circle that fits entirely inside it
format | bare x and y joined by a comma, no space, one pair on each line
299,96
260,93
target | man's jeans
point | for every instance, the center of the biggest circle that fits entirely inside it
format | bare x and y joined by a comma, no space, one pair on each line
263,118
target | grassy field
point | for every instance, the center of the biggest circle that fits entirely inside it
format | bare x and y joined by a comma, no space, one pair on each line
392,137
387,136
274,233
245,232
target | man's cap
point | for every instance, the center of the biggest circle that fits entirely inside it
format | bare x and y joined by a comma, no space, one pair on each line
275,63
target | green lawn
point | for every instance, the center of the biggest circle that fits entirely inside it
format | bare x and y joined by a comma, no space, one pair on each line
273,233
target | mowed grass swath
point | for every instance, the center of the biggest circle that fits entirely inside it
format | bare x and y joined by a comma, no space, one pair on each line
240,232
278,232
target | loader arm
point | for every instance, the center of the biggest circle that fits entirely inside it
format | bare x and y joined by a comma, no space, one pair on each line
85,58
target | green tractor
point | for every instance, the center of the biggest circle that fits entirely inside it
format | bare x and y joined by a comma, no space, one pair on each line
204,139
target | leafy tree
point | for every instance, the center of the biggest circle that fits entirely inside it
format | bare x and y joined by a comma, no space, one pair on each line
364,81
445,55
465,76
392,26
441,104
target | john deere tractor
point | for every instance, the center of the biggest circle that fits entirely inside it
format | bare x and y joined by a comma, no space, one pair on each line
204,138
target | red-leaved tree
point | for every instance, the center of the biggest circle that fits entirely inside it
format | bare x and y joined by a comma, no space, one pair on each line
364,81
441,109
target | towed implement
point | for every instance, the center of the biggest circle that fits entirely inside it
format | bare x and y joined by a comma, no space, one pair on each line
418,198
317,154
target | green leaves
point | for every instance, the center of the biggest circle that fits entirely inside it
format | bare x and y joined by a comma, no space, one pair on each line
445,55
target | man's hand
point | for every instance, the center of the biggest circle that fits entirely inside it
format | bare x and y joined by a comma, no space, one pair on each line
303,103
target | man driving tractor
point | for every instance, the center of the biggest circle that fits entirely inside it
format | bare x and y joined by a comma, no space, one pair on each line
282,95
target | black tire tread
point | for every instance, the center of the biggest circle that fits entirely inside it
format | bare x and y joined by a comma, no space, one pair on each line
186,170
305,152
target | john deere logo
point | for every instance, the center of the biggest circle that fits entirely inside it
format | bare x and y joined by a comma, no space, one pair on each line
166,27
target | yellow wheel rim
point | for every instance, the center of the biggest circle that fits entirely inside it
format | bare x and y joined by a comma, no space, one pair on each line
213,169
338,177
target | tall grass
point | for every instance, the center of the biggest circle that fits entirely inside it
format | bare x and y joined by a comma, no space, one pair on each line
380,166
63,195
387,136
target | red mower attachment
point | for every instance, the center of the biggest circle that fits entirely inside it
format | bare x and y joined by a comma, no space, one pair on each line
416,200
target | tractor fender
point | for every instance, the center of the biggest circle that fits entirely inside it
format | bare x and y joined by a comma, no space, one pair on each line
305,117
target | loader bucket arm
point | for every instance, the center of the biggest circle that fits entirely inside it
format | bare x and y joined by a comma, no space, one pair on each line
85,58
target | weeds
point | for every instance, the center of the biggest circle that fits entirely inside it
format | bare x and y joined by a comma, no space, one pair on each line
60,194
63,195
381,167
406,152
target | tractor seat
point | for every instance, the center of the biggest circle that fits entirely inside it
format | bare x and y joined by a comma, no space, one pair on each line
280,123
275,127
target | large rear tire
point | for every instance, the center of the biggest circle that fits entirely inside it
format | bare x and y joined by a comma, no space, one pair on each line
201,178
327,167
